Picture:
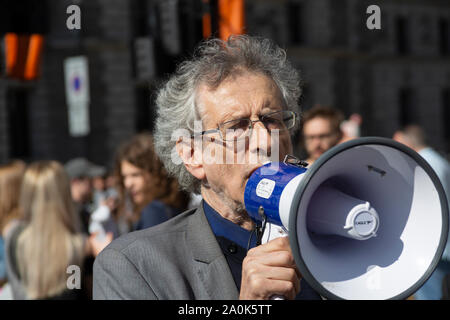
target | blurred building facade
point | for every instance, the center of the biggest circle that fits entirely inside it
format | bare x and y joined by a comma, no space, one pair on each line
392,76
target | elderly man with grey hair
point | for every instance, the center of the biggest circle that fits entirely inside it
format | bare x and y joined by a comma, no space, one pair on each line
234,101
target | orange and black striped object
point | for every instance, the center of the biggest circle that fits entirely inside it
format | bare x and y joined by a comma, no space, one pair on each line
23,53
231,18
223,18
23,24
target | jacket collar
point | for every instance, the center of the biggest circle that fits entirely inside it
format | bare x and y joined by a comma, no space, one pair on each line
211,265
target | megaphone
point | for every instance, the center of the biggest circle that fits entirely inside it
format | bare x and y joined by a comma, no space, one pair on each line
367,220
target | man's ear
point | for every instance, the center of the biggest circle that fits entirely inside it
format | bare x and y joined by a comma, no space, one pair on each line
191,157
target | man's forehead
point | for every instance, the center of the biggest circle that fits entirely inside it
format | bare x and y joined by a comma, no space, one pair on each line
245,110
240,96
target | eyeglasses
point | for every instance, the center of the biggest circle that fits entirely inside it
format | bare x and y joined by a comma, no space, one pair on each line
240,128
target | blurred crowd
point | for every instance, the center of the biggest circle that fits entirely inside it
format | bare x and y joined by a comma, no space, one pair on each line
55,215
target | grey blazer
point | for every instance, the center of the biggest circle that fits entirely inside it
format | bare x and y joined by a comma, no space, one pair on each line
178,259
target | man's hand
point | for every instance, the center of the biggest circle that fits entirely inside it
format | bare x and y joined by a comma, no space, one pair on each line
268,270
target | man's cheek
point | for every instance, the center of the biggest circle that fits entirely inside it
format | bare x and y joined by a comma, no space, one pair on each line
238,188
284,147
212,153
234,177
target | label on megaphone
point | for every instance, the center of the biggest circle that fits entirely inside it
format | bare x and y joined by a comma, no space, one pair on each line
332,212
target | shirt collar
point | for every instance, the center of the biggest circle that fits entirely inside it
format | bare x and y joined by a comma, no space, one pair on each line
222,227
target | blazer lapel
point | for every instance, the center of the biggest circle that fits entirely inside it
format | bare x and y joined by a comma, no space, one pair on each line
209,261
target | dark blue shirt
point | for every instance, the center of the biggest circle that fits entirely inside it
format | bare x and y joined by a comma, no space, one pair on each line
234,240
154,213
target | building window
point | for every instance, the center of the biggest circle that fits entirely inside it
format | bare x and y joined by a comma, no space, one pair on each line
141,18
444,36
402,35
406,113
18,125
145,113
2,57
295,22
307,98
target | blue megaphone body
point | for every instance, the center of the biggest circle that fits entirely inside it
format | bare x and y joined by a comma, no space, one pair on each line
269,195
265,188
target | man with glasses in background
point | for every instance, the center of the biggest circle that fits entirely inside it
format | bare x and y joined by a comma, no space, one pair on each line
321,129
224,113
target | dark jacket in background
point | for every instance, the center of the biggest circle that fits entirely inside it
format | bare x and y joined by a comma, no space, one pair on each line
154,213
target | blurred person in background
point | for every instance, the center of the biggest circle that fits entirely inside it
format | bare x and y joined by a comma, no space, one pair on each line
148,196
111,181
105,201
351,128
321,130
48,238
111,186
99,189
81,172
11,175
413,136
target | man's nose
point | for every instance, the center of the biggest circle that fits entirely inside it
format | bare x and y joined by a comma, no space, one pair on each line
260,142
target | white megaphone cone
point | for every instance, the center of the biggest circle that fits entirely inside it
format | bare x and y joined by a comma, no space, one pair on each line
368,220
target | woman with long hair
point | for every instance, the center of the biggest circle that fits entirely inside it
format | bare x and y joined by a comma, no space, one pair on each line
10,180
148,195
48,240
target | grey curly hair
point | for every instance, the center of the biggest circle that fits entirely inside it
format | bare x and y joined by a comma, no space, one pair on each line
214,61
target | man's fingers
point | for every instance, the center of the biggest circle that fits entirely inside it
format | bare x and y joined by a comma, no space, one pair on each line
269,270
274,258
257,274
283,288
284,274
278,244
278,287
